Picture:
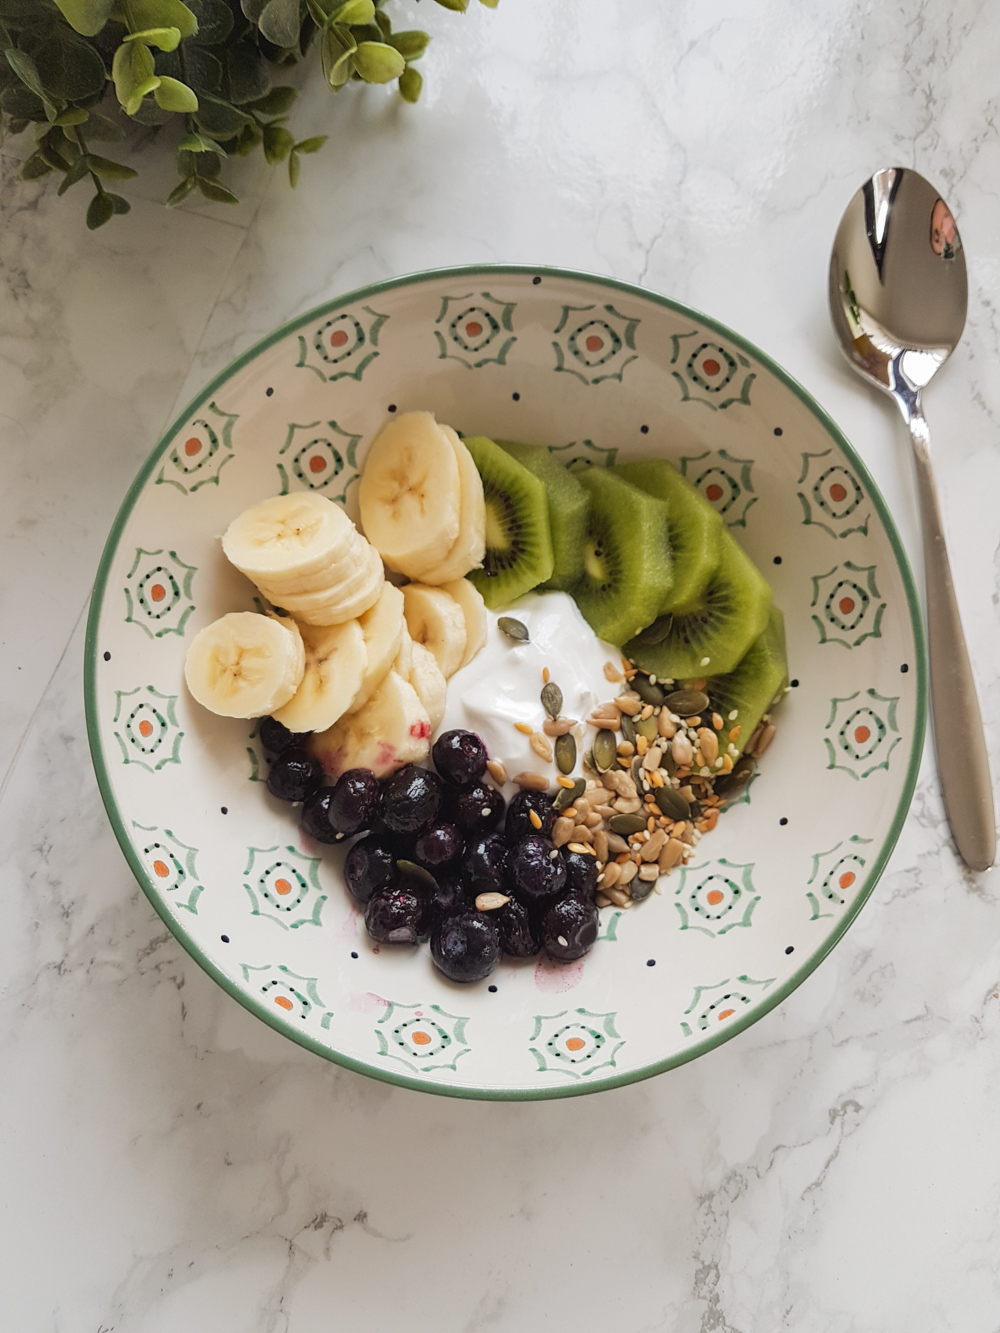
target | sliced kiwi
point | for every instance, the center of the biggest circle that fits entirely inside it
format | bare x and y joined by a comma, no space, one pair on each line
568,505
626,557
518,539
711,638
695,528
755,685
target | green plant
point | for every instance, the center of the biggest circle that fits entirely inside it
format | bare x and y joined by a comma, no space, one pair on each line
81,70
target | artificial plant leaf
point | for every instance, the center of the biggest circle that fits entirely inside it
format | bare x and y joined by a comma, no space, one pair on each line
459,6
102,127
247,72
198,164
120,205
69,68
337,53
101,210
410,45
108,170
216,192
276,103
160,14
353,12
180,192
248,139
219,118
278,143
294,166
132,69
21,103
411,81
88,17
24,67
76,173
200,70
167,39
172,95
76,115
252,9
215,21
148,113
197,143
378,63
312,145
490,4
279,22
35,167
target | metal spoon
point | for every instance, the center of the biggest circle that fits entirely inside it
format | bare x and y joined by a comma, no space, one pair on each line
898,296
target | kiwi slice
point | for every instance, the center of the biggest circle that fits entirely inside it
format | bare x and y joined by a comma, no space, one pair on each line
755,685
626,557
568,505
710,639
695,528
518,540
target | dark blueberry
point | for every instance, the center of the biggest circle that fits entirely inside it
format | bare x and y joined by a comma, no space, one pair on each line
476,810
369,866
460,757
275,736
350,806
411,799
396,916
569,928
316,816
465,944
449,894
294,775
581,873
440,845
519,812
518,937
536,869
484,866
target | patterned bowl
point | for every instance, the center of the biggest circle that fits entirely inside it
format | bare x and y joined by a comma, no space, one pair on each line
599,370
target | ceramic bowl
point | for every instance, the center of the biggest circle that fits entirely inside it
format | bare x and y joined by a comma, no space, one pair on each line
599,370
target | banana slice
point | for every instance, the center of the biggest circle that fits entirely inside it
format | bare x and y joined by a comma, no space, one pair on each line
336,658
245,665
470,599
437,621
403,664
430,685
338,574
410,494
288,535
391,730
470,547
333,608
383,627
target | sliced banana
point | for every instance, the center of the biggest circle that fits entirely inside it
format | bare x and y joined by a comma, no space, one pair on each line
470,599
391,730
470,546
338,574
437,621
403,663
288,535
245,665
430,685
383,627
336,658
333,608
410,494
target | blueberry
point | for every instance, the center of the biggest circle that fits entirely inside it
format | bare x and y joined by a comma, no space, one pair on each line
369,867
275,736
537,870
518,937
465,944
449,894
460,757
484,866
396,916
411,799
294,775
350,806
476,810
519,811
581,873
439,845
569,928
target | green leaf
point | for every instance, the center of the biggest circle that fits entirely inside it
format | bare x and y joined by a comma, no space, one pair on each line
279,22
378,63
218,118
76,173
167,39
24,67
490,4
250,136
201,70
410,84
278,143
217,193
459,6
252,9
101,127
383,22
17,125
21,103
88,17
293,169
352,12
276,103
108,170
248,73
35,167
74,116
215,21
197,143
172,95
410,45
142,14
101,210
338,55
134,72
69,68
312,145
120,205
180,192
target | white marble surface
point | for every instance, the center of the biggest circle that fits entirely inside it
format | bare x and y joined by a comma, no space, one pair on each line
172,1165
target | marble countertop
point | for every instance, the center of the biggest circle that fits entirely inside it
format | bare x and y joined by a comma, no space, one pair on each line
171,1164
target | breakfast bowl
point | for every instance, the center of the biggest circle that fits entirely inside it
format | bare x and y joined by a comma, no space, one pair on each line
602,373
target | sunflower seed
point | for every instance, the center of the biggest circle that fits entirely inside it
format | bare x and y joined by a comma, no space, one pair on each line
532,781
552,699
708,743
558,726
653,845
628,704
489,902
541,746
497,772
562,831
513,629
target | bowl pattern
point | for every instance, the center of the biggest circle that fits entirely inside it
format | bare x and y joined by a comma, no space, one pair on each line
600,372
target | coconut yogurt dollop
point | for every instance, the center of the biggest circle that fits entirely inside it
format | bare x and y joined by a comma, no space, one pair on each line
503,682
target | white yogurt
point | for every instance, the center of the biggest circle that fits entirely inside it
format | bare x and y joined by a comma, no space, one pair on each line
503,682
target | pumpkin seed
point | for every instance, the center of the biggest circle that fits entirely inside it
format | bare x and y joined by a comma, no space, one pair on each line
686,703
668,763
647,690
626,824
648,727
672,803
513,629
552,699
731,784
417,872
605,751
641,888
567,795
657,631
565,753
637,774
628,729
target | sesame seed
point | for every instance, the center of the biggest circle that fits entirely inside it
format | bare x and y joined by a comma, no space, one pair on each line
562,940
705,661
734,715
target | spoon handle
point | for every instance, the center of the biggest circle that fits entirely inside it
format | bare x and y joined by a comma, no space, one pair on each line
958,726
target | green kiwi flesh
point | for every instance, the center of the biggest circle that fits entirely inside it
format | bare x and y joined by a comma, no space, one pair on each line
518,539
695,528
626,557
710,639
756,683
568,506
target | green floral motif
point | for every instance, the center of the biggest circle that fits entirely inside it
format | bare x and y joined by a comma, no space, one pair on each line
579,454
596,347
834,873
343,346
725,482
707,370
831,497
421,1036
292,995
862,735
472,330
315,455
158,593
721,1002
200,451
150,735
716,897
283,885
848,605
171,866
575,1042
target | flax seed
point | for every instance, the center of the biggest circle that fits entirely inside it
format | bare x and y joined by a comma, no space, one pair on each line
546,676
